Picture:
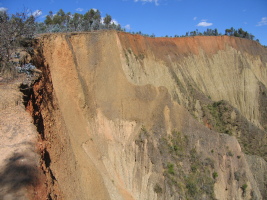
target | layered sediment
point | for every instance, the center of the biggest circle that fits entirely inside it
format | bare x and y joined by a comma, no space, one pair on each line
130,117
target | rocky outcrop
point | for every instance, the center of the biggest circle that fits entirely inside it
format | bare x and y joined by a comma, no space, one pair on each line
130,117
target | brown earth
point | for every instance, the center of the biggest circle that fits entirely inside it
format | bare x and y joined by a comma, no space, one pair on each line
20,175
124,116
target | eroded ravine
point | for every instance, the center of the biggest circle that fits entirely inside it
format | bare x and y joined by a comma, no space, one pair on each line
115,116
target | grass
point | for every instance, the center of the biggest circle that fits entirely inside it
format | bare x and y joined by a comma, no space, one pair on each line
170,168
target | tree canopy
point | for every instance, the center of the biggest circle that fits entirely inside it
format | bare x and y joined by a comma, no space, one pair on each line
68,22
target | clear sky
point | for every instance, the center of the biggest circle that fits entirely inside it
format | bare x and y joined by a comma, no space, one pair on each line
163,17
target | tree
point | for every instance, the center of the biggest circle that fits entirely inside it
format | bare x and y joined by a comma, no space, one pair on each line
61,13
91,19
13,29
232,31
76,22
97,16
216,32
67,22
48,20
193,33
241,32
89,16
236,34
251,37
228,32
107,20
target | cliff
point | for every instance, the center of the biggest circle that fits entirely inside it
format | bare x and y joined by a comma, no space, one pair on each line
129,117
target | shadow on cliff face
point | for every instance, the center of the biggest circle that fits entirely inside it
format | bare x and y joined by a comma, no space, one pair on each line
18,173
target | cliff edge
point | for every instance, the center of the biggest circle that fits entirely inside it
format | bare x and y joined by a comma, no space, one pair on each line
130,117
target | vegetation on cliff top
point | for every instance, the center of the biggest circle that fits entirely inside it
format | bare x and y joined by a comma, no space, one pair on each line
92,20
15,28
13,31
68,22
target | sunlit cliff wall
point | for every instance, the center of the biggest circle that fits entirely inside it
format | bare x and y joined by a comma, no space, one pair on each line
128,117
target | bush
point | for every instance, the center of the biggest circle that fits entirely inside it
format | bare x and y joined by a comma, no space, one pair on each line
244,187
157,189
170,168
191,188
214,175
13,28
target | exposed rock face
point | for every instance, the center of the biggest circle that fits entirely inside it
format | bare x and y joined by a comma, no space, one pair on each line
129,117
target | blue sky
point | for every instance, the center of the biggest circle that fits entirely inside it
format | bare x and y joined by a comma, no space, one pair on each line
163,17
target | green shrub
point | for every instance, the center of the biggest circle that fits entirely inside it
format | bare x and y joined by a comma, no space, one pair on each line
244,187
170,168
214,175
191,188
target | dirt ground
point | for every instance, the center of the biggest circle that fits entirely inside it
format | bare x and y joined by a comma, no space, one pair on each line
19,172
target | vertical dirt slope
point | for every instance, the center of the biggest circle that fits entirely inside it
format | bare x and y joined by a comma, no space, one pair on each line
223,68
122,116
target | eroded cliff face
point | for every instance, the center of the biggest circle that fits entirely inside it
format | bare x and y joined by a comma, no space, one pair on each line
129,117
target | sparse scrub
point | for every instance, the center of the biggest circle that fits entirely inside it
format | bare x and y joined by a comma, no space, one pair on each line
176,143
192,188
208,162
214,175
237,175
170,167
142,135
143,129
127,58
157,189
217,112
229,153
218,116
195,183
244,188
194,168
